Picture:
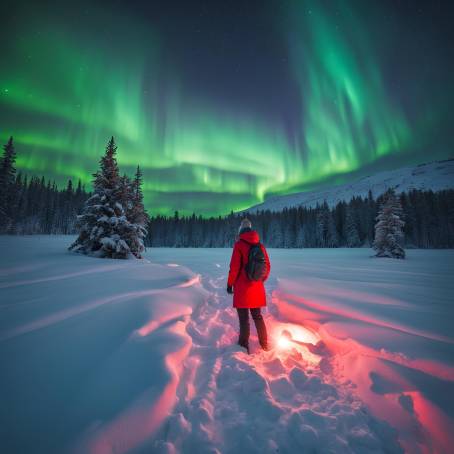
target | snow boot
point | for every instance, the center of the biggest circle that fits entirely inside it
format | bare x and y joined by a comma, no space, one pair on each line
266,347
246,346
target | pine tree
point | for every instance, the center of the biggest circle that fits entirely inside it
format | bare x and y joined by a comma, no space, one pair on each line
300,236
138,213
105,230
322,227
332,237
350,230
275,235
7,184
131,197
388,229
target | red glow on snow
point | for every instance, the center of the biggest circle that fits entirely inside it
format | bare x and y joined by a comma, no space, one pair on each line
435,421
194,281
148,328
193,364
143,417
323,311
173,311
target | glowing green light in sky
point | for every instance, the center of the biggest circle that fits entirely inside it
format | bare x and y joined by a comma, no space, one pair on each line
348,117
65,95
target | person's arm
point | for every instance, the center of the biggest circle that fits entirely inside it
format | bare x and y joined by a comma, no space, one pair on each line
267,262
235,266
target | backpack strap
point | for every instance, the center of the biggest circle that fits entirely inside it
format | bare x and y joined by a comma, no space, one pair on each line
243,264
242,259
249,250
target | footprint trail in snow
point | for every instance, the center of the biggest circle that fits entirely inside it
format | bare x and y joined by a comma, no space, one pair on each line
277,401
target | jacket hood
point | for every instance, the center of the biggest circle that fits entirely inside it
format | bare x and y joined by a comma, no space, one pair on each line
251,236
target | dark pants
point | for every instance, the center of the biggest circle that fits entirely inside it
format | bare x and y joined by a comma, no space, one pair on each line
243,316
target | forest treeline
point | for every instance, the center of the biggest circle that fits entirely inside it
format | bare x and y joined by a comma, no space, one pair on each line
428,217
37,206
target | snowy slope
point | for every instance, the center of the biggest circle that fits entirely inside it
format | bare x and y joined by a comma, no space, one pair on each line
102,356
90,348
435,176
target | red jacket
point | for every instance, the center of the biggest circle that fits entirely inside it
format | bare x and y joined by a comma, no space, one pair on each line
246,293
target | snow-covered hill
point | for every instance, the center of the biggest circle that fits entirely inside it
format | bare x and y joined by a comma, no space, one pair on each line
434,176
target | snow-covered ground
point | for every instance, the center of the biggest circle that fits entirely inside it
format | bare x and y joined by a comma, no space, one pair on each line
104,356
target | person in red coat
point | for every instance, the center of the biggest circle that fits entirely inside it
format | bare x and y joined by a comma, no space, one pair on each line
248,295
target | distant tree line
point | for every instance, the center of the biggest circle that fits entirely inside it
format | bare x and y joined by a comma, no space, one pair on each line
41,208
428,217
37,206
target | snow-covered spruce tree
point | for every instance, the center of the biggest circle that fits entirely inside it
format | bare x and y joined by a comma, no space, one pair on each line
388,229
321,226
7,184
138,213
332,239
131,198
326,233
350,230
300,236
275,235
104,228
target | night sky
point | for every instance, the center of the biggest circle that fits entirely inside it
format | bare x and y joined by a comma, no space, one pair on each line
223,104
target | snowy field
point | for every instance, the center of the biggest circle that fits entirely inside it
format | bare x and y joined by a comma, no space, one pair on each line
103,356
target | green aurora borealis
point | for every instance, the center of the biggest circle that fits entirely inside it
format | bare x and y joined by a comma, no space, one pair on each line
72,80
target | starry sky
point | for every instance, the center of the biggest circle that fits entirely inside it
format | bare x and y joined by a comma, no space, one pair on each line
224,104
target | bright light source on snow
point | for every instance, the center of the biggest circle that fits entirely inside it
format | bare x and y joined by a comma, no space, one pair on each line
283,342
289,336
301,334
